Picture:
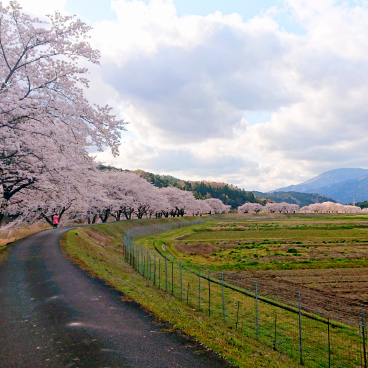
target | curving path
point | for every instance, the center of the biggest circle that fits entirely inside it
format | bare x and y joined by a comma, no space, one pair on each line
52,314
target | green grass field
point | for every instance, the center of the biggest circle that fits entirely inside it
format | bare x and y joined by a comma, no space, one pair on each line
271,244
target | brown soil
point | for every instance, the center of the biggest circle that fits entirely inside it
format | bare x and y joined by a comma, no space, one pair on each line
340,294
202,249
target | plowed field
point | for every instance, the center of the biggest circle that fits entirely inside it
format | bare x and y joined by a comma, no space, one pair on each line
325,259
340,294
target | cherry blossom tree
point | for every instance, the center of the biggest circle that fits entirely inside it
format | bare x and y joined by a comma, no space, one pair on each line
330,207
271,208
48,197
217,206
180,202
44,117
250,207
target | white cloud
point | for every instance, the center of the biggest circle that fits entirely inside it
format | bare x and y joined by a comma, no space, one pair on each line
187,83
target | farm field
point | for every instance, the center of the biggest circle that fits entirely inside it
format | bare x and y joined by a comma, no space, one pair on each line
325,258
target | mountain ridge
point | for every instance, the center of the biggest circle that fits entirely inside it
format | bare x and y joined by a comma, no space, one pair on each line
345,185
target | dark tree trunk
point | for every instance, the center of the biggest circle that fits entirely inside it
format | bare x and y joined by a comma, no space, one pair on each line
104,216
117,215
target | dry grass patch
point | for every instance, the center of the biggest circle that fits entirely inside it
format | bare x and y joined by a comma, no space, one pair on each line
9,236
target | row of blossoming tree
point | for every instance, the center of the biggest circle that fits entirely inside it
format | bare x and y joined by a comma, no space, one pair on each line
47,126
114,195
325,207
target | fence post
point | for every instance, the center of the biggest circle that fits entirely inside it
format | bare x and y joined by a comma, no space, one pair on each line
131,258
188,294
125,246
128,253
172,278
138,258
199,287
181,281
257,321
136,250
329,343
148,266
159,273
237,316
167,281
143,263
154,269
275,336
131,254
209,296
142,260
223,297
364,340
300,331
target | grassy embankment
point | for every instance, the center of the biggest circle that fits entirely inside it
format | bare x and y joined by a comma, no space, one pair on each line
98,249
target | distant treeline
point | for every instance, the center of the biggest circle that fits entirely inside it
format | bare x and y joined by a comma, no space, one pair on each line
362,204
229,194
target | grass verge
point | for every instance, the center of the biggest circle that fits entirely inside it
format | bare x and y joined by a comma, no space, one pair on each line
98,250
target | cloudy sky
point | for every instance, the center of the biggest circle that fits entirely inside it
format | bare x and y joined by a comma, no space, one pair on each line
260,94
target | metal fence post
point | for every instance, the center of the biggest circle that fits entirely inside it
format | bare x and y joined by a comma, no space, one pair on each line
300,331
275,335
167,281
172,278
364,340
181,281
148,270
142,260
223,297
159,273
257,321
148,266
199,287
237,316
125,246
154,269
209,296
329,343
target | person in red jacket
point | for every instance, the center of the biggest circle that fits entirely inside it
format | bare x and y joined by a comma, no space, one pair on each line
55,220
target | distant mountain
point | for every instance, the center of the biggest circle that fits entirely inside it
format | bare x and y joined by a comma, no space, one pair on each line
343,185
327,178
301,199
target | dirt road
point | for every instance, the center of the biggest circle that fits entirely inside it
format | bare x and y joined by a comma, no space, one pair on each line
52,314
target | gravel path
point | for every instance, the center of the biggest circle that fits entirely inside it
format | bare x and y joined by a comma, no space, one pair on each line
52,314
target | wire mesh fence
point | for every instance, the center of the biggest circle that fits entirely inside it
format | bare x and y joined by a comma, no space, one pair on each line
312,339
